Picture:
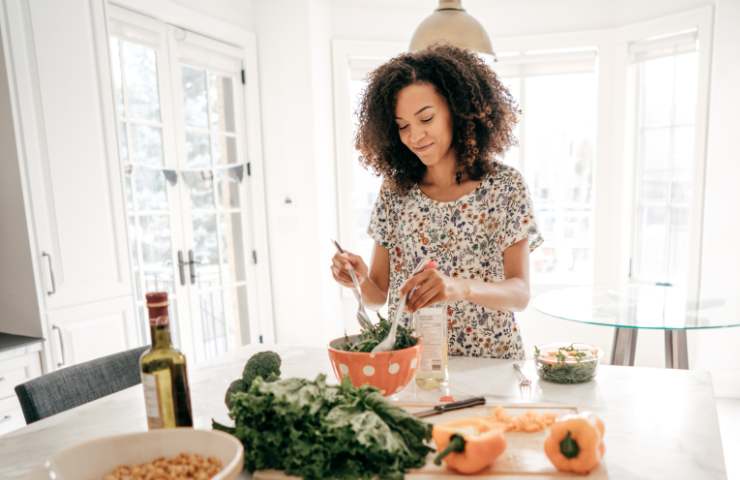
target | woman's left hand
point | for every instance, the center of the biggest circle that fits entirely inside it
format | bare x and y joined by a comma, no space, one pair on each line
431,286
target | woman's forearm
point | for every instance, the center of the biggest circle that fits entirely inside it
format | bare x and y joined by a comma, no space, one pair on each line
511,294
373,296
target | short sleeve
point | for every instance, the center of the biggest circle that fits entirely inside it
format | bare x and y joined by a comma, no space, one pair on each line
382,227
520,221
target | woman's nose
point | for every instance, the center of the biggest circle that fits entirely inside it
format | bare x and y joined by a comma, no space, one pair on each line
416,135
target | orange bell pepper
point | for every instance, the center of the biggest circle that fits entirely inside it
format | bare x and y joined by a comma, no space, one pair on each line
576,443
468,445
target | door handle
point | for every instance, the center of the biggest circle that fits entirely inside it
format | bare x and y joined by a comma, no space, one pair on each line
61,346
191,262
181,267
51,274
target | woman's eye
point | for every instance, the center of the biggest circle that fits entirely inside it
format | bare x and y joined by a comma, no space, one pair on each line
427,120
402,127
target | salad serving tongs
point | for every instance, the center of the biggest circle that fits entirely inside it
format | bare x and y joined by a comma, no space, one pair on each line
362,316
388,342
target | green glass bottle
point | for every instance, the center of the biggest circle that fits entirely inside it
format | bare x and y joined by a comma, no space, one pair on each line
164,372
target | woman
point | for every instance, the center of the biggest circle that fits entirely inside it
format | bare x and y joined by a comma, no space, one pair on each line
431,123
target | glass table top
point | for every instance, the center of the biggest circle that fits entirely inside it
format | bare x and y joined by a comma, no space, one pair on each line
637,306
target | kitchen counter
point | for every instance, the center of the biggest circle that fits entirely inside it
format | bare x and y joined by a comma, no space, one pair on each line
659,423
9,341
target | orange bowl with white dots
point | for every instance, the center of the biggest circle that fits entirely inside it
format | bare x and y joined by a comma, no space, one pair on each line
389,372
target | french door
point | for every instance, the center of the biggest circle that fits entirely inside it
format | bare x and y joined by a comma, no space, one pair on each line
182,143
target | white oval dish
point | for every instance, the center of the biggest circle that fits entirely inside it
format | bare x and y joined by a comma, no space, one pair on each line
94,459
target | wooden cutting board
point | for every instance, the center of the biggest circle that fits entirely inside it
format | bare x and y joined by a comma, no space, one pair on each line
524,455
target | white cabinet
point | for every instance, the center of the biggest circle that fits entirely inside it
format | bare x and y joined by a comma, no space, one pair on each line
11,415
75,181
90,331
65,166
16,366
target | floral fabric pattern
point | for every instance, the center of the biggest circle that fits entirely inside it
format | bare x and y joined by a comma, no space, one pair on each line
467,238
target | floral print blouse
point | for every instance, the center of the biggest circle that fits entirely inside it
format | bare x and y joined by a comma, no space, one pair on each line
467,238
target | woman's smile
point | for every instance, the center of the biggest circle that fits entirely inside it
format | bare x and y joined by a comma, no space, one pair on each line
423,148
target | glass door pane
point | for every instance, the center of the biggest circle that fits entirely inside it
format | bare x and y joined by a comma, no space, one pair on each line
142,157
213,177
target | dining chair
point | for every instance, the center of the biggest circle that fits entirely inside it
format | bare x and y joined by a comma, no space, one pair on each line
78,384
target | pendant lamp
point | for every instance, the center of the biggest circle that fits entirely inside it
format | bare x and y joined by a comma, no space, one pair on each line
450,23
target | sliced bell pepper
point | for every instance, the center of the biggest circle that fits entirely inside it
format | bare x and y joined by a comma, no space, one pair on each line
468,445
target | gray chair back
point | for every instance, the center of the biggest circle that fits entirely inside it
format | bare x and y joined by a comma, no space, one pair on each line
76,385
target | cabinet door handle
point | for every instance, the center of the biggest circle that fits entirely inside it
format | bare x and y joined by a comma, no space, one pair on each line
51,274
2,379
5,418
181,266
192,262
61,346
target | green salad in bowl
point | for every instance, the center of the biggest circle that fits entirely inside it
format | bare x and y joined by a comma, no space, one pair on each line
567,362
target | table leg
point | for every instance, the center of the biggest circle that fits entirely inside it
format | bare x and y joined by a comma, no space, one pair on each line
624,346
676,350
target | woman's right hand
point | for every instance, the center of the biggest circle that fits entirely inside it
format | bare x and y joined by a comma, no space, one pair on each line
341,264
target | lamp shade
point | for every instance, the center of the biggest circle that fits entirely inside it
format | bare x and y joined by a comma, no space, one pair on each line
450,23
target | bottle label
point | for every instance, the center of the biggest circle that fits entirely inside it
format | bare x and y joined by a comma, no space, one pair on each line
151,400
161,320
431,325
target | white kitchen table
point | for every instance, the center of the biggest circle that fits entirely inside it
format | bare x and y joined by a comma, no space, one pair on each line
659,423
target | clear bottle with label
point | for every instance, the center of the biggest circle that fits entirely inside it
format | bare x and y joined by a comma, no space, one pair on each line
164,373
431,325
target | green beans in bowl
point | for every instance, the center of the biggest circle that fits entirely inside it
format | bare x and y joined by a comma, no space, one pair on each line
567,362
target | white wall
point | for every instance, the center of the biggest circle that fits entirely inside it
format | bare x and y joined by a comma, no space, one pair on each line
292,44
238,12
717,350
295,78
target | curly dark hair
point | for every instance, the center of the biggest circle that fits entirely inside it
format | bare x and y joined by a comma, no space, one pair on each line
483,114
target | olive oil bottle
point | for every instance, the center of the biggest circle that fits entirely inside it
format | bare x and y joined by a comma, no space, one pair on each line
164,373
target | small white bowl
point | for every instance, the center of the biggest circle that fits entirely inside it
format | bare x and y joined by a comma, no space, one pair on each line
94,459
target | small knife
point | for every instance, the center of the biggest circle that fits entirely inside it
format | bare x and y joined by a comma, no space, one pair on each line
448,407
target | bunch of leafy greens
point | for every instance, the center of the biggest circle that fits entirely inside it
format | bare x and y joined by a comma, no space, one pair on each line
370,337
318,431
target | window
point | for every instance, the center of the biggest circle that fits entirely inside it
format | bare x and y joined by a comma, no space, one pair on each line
665,72
557,137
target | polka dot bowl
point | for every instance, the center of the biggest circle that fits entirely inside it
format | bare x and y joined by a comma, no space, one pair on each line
390,371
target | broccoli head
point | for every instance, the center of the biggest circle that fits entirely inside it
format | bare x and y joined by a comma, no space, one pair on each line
262,364
236,386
